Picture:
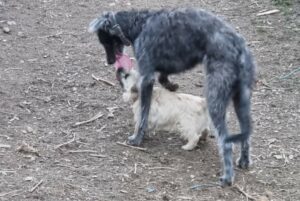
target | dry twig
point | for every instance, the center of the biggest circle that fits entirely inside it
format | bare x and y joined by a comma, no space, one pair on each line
135,168
162,168
36,186
81,151
269,12
243,192
204,186
97,116
103,80
8,193
98,155
4,172
6,146
5,136
66,143
133,147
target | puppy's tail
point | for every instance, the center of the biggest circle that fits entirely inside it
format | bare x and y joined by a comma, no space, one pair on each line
95,25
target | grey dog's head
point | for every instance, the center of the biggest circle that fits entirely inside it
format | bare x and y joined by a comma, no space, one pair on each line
128,79
110,35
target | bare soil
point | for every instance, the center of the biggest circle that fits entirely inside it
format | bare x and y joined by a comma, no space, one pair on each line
47,59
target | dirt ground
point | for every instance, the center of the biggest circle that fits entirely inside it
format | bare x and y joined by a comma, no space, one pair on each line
47,60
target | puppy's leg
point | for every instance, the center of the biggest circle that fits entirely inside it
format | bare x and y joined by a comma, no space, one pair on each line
204,134
219,87
166,83
146,88
241,102
192,143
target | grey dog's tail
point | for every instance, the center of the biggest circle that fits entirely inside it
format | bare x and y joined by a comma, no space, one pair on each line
247,80
237,138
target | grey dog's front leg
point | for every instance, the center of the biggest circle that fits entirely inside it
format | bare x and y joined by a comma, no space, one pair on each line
146,89
163,79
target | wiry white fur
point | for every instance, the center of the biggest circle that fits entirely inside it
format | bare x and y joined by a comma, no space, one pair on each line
170,111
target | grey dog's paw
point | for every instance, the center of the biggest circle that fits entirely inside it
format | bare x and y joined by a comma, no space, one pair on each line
226,181
243,162
134,140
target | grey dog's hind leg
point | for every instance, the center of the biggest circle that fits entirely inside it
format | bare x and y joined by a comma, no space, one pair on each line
220,85
241,101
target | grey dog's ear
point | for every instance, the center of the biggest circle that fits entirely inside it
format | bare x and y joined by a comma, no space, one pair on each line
101,23
107,22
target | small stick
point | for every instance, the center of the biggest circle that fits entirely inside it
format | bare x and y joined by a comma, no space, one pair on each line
81,151
135,168
6,146
203,186
5,136
97,116
162,168
244,193
7,171
103,80
66,143
98,155
133,147
13,69
36,186
269,12
264,84
290,73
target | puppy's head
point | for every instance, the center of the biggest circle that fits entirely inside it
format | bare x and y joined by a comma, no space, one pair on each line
128,79
110,35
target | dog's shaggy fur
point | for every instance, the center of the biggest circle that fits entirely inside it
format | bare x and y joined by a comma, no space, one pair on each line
172,41
169,111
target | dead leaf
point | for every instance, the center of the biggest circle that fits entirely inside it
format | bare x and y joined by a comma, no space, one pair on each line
27,149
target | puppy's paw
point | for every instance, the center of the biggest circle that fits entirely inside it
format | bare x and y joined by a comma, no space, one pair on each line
243,162
226,181
188,147
134,140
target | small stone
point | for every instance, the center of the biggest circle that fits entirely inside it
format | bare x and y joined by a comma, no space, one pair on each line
28,179
278,157
123,191
262,198
269,194
192,176
11,23
291,157
6,30
29,129
21,34
150,189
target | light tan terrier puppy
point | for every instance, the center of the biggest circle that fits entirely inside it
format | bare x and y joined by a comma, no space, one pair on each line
169,111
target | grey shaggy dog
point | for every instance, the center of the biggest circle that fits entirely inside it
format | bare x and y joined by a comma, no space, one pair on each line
172,41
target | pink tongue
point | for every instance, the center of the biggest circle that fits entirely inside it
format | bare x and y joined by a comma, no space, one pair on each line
123,61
